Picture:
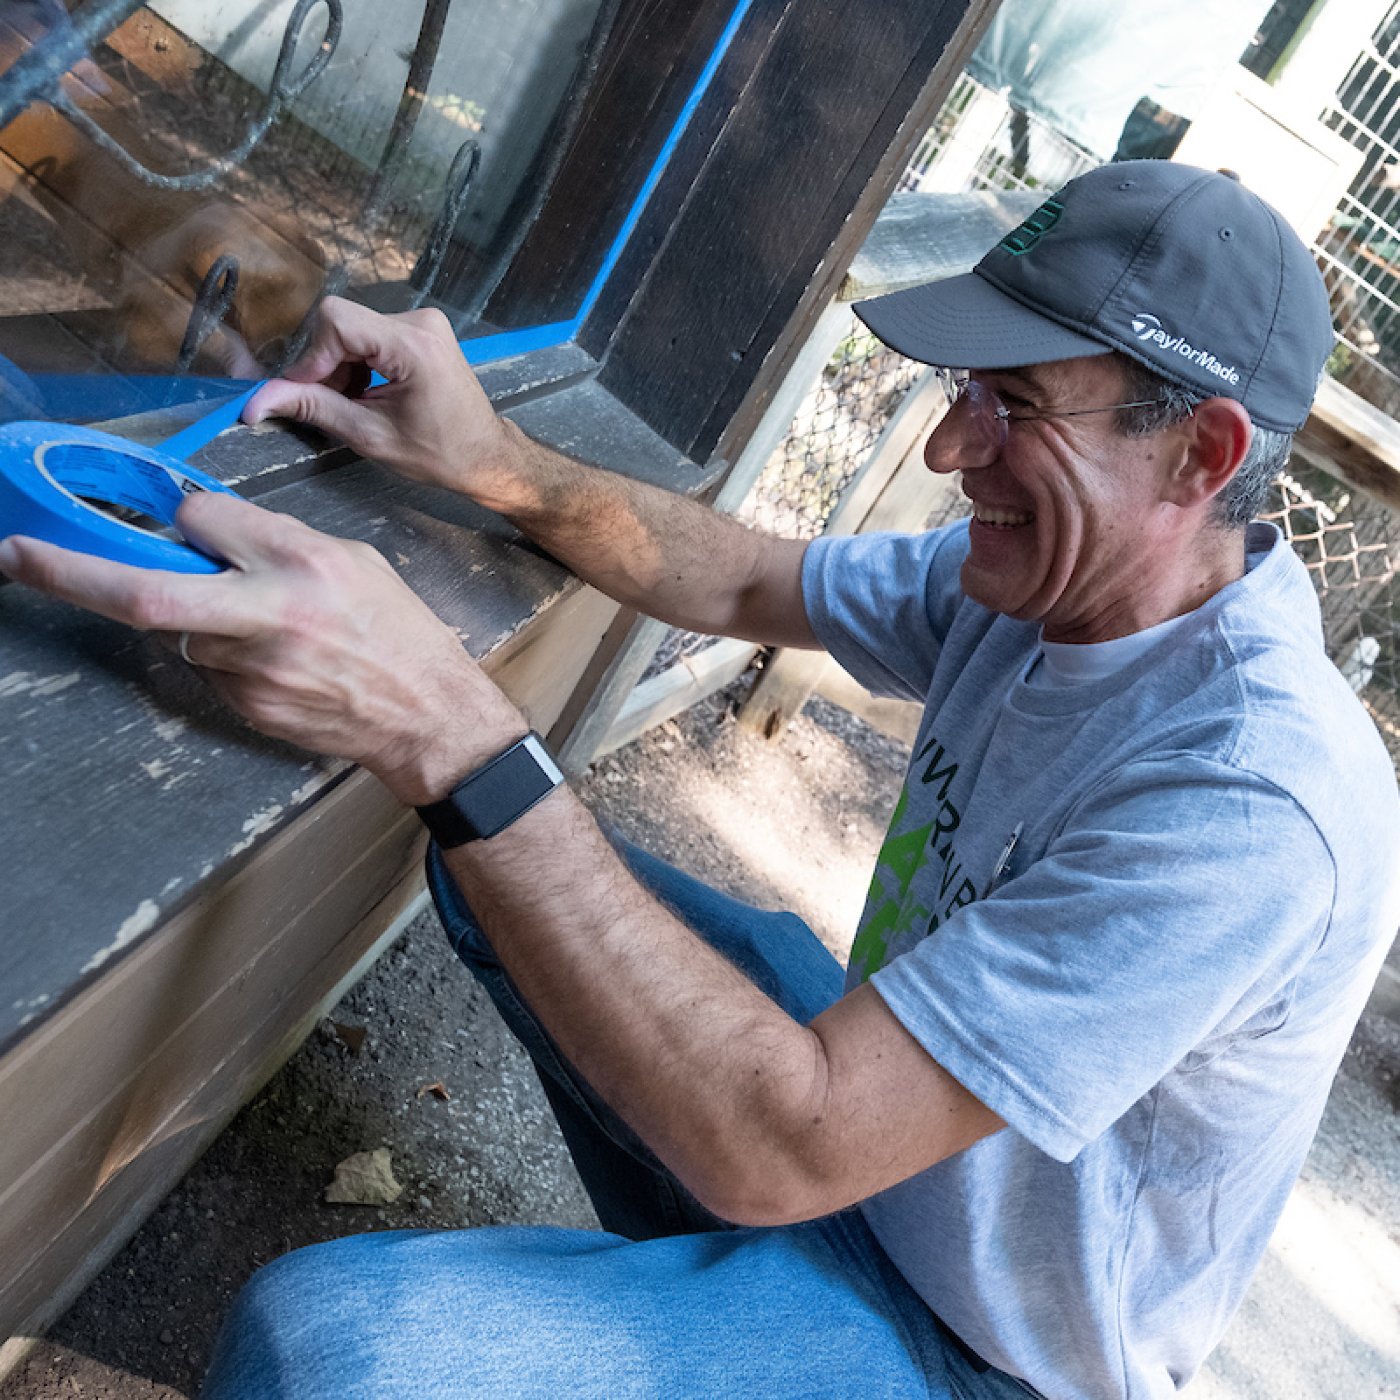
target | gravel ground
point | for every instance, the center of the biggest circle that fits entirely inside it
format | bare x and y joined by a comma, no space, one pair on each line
794,824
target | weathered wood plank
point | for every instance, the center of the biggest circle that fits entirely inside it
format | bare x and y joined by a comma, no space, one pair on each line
921,238
154,1055
128,788
84,1192
897,718
677,688
784,686
617,668
1353,441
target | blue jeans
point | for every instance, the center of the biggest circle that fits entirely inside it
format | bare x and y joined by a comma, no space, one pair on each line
668,1301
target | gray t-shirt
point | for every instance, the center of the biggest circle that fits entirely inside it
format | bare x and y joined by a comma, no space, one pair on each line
1157,992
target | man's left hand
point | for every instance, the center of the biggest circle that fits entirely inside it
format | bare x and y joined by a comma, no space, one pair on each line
312,639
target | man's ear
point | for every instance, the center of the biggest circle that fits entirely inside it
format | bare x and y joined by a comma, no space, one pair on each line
1216,438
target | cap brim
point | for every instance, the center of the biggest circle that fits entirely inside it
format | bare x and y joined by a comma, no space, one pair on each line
966,323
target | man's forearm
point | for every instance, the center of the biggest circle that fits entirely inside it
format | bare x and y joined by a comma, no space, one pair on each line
650,549
720,1082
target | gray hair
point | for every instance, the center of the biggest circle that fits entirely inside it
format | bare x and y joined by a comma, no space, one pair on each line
1246,492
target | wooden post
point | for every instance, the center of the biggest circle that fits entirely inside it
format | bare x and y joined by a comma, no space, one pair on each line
791,675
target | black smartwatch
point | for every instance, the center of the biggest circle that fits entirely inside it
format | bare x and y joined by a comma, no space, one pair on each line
489,799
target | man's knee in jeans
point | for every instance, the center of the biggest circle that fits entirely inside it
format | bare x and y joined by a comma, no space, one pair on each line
284,1330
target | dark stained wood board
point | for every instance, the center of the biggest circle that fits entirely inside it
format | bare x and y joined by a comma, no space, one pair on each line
804,138
649,62
127,787
664,217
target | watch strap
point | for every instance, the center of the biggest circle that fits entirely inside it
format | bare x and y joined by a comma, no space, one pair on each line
493,796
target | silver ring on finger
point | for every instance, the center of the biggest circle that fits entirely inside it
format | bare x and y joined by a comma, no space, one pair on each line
184,649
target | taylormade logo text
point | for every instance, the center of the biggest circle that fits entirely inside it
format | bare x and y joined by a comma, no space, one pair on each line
1147,327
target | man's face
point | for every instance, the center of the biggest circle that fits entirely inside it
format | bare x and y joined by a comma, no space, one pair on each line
1069,526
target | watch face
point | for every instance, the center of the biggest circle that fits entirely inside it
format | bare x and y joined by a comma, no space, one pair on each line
502,790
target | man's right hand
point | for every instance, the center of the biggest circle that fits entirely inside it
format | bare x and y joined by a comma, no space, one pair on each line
647,548
430,421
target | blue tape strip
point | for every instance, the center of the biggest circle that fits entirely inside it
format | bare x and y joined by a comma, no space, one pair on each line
663,159
49,473
75,398
483,350
487,349
204,430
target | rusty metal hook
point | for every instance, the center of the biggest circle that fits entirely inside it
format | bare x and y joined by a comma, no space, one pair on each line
458,186
211,305
285,89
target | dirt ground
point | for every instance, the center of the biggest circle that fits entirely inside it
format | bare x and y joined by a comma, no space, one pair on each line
794,824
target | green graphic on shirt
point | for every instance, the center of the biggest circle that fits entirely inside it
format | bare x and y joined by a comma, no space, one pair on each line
892,911
903,855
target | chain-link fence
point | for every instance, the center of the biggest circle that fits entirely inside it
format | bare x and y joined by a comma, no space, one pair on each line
860,390
1348,542
861,387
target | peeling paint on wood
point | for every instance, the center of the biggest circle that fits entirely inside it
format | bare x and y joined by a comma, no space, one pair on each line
142,921
22,683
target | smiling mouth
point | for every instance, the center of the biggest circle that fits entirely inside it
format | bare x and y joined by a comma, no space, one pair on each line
1002,519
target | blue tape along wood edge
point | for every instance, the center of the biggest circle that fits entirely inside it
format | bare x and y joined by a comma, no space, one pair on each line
49,473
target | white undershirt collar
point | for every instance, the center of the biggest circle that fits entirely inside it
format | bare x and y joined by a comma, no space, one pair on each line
1076,663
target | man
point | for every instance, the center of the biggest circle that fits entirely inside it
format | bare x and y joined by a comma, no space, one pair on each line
1133,896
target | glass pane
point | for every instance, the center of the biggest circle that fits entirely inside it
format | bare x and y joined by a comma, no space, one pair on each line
208,169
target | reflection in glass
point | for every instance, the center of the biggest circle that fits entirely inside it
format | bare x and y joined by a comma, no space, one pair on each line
175,204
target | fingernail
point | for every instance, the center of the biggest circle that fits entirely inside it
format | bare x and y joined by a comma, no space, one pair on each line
9,554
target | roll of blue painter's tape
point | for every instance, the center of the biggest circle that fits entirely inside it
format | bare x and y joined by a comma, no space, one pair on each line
50,473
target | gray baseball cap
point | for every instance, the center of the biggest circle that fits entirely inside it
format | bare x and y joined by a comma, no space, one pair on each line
1180,268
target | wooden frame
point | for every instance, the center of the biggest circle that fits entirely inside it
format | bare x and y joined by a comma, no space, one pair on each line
144,829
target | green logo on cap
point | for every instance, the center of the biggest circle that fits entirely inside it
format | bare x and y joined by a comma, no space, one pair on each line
1021,240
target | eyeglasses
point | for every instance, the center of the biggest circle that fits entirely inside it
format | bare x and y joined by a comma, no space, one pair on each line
985,418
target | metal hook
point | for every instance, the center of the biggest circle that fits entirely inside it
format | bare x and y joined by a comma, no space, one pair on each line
211,305
44,65
460,175
285,90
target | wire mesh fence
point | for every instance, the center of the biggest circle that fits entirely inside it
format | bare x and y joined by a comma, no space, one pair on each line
1348,543
861,388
